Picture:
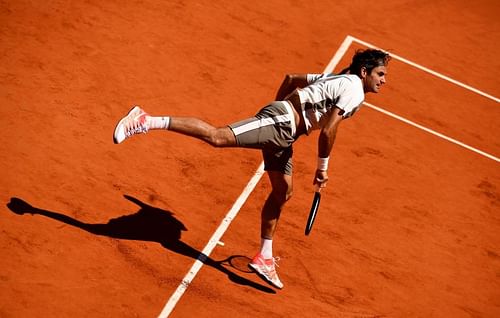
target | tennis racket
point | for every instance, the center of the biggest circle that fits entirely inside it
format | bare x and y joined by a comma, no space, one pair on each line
314,210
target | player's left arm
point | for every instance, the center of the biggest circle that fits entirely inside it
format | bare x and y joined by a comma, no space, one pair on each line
326,140
290,83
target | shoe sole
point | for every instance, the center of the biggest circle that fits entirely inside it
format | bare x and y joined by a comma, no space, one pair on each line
119,123
263,276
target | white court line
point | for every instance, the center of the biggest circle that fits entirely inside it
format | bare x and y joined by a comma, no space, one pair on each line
176,296
430,131
425,69
339,54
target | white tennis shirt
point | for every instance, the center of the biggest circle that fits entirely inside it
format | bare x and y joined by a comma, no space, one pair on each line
326,91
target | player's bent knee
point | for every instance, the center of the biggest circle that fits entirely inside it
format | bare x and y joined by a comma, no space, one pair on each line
219,142
222,137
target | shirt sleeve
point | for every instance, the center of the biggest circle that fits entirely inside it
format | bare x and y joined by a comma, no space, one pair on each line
311,78
350,97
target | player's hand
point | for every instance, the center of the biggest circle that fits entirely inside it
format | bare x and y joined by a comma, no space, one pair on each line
320,179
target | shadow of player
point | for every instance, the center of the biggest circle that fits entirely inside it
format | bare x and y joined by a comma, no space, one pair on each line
148,224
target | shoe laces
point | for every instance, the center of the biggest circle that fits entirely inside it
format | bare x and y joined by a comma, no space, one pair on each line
137,130
141,128
273,274
276,260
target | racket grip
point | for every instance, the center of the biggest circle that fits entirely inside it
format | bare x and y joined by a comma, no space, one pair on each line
317,188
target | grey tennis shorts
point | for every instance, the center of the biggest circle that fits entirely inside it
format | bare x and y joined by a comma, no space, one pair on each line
272,130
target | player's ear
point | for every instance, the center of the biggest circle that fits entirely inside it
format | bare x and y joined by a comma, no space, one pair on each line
363,72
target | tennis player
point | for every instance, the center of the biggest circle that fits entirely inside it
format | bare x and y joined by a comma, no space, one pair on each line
304,102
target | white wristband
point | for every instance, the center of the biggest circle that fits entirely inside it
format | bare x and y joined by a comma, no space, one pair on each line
323,163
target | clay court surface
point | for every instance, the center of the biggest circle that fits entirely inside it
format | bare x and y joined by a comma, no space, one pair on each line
409,225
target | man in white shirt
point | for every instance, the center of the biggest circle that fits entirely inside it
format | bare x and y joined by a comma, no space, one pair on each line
304,102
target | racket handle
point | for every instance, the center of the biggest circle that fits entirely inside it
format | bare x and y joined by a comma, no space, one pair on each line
317,188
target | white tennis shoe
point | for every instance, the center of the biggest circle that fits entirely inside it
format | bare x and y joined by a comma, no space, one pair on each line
266,269
133,123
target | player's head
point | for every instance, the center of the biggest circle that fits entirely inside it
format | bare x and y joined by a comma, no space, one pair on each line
368,60
371,66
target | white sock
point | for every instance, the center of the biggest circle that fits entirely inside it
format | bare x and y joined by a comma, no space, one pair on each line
266,248
158,122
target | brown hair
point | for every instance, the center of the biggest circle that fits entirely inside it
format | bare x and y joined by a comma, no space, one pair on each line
369,59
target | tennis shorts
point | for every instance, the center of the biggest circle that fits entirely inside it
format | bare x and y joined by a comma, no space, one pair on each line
272,130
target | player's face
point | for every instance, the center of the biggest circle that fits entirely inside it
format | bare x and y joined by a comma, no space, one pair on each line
373,82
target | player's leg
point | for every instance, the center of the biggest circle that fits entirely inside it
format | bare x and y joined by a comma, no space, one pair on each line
278,164
194,127
138,121
264,263
281,192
